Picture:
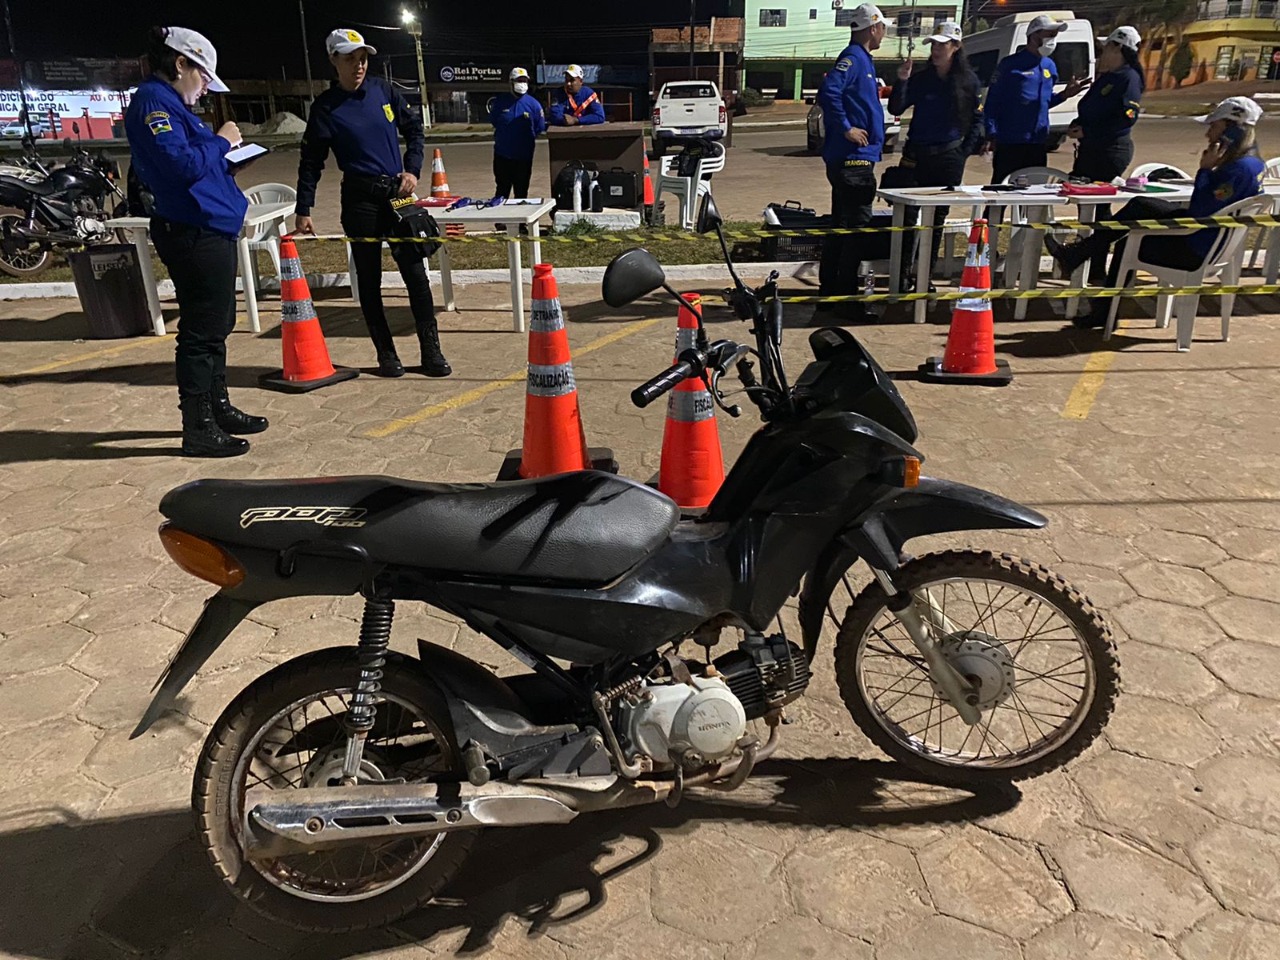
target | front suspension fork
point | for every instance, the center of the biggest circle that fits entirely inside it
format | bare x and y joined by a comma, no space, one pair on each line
922,630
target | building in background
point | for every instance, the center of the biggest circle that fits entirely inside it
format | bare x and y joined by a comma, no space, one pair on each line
790,45
1232,40
83,99
716,55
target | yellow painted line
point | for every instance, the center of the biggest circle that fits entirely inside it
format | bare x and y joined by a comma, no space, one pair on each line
1085,392
95,355
510,380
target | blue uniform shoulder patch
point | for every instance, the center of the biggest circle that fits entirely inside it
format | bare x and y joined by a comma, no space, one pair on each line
159,123
843,64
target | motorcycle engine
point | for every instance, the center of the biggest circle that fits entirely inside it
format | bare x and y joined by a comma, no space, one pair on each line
89,228
689,723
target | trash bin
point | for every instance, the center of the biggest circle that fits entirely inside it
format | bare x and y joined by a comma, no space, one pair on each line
109,284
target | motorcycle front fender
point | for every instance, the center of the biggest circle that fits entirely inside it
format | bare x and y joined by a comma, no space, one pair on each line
879,533
221,615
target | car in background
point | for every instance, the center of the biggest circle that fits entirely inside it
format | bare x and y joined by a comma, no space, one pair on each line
16,129
814,130
688,110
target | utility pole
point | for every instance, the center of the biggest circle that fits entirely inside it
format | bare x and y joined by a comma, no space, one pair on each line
414,27
22,80
692,4
306,58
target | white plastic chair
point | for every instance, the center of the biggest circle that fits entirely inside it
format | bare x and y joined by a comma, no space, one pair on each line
1268,236
1145,169
266,236
1022,262
684,187
1224,261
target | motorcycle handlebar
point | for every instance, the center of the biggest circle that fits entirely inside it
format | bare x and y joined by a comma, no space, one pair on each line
650,391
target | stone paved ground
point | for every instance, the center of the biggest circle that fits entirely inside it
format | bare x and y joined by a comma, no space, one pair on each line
1162,841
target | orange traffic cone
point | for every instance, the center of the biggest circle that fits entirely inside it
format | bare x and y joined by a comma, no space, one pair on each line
648,183
306,358
970,356
692,467
554,440
439,182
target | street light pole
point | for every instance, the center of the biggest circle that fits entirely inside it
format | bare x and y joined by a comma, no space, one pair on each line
415,30
22,80
306,57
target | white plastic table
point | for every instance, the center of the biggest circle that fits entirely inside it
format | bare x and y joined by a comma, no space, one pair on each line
510,216
139,228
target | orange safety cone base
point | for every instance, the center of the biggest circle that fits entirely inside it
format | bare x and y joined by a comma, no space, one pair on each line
931,372
602,459
276,380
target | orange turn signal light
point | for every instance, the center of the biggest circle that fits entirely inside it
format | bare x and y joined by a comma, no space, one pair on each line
201,558
911,472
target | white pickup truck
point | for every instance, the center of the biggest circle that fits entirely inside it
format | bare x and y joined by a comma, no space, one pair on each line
686,110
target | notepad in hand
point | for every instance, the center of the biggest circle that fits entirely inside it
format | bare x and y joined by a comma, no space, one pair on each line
244,153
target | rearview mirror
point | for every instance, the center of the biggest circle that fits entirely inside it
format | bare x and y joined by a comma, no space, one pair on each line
708,215
630,276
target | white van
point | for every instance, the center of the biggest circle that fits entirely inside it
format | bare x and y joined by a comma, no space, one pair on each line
1074,57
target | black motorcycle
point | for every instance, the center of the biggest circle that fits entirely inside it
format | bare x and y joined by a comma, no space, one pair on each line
63,208
344,788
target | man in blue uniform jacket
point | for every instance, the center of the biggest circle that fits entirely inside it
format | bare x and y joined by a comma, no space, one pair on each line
517,123
576,104
1020,98
854,137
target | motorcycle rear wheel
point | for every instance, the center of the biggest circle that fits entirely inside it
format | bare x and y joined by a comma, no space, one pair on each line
285,731
22,261
1041,656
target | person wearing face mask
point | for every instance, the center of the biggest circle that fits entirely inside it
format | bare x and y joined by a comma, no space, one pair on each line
576,104
946,125
517,123
1020,98
1109,110
1230,170
854,138
197,214
358,118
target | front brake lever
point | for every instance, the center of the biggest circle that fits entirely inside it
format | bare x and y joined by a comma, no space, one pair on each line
714,389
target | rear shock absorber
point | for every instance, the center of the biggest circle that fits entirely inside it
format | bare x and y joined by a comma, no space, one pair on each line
375,636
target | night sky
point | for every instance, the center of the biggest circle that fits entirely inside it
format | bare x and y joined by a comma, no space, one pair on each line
257,38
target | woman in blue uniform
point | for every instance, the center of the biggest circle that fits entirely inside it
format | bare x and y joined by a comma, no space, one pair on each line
946,125
358,118
1109,110
1230,171
197,213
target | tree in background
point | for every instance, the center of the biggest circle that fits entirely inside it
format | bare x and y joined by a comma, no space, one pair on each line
1164,21
1181,64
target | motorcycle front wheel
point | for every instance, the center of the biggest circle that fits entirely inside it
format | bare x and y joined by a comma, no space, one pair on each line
286,731
18,258
1038,656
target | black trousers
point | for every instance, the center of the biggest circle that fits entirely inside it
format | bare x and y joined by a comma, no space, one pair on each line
366,216
202,265
853,189
509,175
940,169
1011,157
1175,252
1103,161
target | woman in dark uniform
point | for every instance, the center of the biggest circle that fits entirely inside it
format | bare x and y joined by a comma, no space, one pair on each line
1109,110
358,118
198,212
945,127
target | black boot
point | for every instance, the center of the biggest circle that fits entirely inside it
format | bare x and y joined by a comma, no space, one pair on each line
389,365
1070,256
201,435
433,362
229,418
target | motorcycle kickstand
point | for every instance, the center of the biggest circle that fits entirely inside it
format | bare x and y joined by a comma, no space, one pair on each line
375,638
958,691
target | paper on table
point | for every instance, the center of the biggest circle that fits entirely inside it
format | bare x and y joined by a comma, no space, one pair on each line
244,152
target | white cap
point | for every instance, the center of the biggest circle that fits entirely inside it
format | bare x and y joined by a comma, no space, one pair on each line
1045,24
946,31
345,40
865,15
1240,109
519,73
573,70
1126,37
196,48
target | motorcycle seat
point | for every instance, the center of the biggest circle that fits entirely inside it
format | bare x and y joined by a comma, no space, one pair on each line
41,188
584,527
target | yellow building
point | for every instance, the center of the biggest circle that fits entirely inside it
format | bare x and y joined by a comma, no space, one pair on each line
1235,40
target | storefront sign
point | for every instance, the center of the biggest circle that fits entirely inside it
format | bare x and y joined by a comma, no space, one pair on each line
470,73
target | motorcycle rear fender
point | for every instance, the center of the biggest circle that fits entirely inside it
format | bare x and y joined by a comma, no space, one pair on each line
878,535
221,615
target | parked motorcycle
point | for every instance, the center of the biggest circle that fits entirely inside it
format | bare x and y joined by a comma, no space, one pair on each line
344,788
63,208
